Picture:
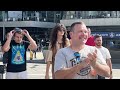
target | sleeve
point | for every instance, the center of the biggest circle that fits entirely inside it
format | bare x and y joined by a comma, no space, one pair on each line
26,45
60,61
108,54
100,58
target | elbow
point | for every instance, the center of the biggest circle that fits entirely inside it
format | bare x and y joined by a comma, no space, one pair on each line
58,76
4,49
35,47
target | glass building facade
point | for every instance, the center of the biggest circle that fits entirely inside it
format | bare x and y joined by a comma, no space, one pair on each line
106,23
38,23
91,14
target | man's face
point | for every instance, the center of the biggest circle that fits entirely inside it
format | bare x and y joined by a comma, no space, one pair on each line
98,41
18,38
80,33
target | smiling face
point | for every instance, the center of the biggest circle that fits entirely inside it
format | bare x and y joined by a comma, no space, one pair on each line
79,34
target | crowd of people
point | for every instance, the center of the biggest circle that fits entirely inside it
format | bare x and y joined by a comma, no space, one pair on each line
80,57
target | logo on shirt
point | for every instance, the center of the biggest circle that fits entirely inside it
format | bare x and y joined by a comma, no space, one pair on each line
83,71
18,53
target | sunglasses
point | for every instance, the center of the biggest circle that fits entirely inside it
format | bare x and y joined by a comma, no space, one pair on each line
84,71
77,56
18,30
61,30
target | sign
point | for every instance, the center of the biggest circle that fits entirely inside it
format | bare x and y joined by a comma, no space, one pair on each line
107,34
15,14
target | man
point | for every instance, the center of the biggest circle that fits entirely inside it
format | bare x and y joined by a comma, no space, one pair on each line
77,60
105,52
90,40
16,48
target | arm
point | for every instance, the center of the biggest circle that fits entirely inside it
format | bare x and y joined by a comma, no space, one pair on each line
68,73
47,69
62,71
48,60
109,63
6,46
101,68
33,45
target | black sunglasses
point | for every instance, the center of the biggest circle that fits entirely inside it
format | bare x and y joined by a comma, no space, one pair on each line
77,56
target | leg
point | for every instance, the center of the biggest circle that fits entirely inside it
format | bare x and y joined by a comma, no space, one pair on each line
10,75
22,75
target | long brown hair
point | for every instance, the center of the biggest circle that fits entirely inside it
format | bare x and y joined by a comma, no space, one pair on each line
53,37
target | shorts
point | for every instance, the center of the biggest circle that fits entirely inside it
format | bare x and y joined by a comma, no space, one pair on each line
16,75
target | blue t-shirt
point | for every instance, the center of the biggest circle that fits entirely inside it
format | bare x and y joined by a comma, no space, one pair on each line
17,56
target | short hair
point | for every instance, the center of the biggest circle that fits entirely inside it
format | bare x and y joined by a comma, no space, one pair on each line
72,26
18,30
97,36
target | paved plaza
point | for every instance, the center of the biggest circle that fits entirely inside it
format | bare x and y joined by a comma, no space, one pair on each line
36,68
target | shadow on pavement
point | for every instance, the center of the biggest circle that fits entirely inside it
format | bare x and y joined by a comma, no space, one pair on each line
36,61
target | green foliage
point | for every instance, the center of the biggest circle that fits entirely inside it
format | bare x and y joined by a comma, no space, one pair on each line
45,48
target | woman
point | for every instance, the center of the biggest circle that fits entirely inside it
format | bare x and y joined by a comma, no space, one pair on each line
58,40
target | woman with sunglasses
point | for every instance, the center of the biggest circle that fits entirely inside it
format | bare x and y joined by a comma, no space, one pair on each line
58,39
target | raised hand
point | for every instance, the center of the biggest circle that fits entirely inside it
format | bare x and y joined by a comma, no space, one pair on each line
25,32
11,33
92,57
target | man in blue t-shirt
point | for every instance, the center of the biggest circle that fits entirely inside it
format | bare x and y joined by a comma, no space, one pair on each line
16,48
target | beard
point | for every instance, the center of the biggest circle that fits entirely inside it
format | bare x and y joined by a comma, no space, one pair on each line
98,44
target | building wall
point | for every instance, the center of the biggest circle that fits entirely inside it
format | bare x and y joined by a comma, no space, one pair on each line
94,22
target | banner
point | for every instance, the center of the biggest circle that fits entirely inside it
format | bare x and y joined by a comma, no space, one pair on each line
107,34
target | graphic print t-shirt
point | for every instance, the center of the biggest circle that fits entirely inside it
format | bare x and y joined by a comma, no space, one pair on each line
17,57
65,59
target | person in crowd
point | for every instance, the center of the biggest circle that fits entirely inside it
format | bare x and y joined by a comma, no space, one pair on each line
58,40
90,40
16,48
105,52
77,60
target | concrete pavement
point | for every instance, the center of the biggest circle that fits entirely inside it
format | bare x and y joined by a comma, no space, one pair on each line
36,68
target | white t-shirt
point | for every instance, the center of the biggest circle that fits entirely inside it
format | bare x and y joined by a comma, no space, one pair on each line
105,52
65,59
